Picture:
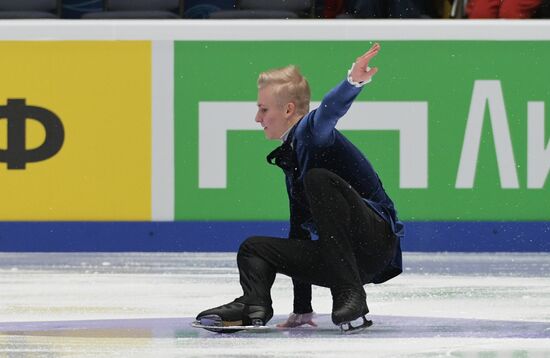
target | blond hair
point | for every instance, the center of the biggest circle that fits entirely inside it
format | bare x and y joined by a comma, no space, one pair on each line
288,86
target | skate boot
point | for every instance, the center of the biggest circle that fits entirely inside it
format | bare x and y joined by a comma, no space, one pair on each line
235,314
349,305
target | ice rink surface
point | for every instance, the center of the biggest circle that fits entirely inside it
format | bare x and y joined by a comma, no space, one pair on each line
142,304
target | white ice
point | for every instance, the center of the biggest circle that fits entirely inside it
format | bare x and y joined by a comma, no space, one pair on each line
141,304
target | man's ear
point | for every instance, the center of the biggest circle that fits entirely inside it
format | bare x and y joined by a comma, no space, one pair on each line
290,108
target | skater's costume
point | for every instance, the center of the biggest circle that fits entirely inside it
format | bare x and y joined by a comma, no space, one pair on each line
317,144
335,193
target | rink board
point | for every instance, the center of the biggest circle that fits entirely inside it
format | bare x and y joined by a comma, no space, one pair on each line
227,236
149,164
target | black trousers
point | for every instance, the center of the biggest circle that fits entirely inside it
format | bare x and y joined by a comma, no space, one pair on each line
354,244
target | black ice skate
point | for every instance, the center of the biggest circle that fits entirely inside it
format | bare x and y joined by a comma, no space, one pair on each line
235,314
349,305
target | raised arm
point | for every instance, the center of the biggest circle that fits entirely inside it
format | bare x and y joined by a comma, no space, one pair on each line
337,102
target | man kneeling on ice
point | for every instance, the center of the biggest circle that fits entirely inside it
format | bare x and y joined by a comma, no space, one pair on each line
334,192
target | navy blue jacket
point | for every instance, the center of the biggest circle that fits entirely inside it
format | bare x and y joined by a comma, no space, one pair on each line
315,143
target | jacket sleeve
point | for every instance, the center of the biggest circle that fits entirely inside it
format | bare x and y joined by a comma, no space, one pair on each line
334,106
302,290
298,216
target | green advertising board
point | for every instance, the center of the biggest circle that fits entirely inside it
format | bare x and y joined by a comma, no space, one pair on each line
456,129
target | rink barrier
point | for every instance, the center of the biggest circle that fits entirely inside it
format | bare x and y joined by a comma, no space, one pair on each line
227,236
167,192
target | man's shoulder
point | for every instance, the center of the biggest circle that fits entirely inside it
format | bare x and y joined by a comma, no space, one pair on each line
305,128
307,133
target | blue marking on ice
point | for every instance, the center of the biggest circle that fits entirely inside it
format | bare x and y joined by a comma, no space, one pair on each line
383,327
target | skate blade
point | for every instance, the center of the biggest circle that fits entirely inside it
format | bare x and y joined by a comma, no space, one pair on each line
350,328
217,329
216,321
231,329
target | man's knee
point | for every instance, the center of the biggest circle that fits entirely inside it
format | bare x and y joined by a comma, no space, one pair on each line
248,245
317,178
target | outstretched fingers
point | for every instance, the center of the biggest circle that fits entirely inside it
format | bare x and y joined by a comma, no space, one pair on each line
311,323
297,320
373,51
361,71
374,48
296,324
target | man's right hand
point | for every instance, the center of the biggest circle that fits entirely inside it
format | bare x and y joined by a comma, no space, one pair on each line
298,319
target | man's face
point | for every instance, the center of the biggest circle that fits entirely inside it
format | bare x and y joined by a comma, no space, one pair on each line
273,116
